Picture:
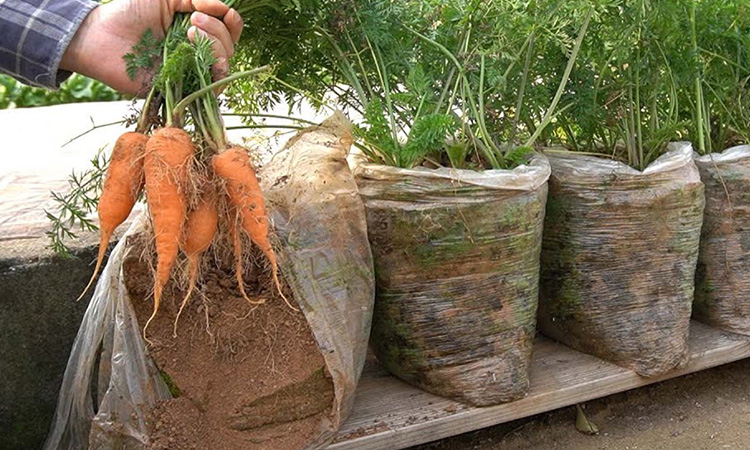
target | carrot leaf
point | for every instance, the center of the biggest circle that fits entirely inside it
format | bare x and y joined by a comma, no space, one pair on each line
144,55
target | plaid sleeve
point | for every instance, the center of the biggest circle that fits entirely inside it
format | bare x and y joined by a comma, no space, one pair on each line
34,35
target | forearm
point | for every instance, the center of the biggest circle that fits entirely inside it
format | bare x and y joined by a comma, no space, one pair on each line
34,36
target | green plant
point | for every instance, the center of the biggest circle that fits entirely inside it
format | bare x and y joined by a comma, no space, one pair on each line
720,52
441,82
74,208
76,89
626,89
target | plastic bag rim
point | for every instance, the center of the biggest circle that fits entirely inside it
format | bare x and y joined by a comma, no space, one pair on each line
679,155
525,177
729,155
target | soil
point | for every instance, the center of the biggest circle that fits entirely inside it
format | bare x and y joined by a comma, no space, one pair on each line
244,377
702,411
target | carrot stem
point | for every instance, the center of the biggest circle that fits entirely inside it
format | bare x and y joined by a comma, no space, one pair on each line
197,94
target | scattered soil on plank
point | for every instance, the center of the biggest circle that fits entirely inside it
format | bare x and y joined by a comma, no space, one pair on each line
248,377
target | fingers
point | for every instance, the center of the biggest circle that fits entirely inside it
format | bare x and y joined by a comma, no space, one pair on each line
234,24
222,54
217,32
215,8
219,23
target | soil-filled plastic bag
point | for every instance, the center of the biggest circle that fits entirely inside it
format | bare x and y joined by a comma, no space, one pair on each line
457,273
619,257
722,292
111,384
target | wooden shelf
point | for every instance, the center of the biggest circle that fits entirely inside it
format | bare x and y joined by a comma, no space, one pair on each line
389,414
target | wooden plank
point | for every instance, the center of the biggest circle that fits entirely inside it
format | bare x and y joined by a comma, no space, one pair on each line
389,414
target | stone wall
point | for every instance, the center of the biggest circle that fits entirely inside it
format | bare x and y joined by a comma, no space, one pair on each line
39,319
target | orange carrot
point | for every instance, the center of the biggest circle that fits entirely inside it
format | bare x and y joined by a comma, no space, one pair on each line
237,244
199,233
122,186
243,190
166,167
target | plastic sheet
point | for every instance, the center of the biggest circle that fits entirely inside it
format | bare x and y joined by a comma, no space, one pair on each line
320,219
722,295
457,273
619,258
320,222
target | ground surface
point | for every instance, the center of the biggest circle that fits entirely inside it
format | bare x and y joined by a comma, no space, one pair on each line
703,411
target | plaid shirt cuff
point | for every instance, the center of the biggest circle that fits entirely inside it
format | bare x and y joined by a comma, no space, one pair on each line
35,35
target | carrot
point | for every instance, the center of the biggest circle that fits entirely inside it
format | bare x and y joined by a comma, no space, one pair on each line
122,187
243,190
199,233
237,244
166,167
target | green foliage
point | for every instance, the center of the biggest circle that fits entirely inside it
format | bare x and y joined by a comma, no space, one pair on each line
176,68
417,70
651,72
721,65
73,208
428,133
283,34
518,156
76,89
144,55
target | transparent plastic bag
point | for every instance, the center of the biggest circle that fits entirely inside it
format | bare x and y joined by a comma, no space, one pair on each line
324,255
320,219
722,281
619,257
457,272
128,384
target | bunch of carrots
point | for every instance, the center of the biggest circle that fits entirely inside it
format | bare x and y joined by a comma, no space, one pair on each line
184,173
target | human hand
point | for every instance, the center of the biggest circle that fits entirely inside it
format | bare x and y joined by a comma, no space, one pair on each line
110,31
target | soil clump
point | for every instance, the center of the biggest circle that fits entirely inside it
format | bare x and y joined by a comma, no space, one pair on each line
243,376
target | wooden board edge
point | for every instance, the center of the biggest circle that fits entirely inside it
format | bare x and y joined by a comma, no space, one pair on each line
478,418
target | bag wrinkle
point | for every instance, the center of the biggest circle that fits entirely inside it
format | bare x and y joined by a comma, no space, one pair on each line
619,257
457,265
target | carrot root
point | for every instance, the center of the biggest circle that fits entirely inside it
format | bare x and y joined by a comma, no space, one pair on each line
245,195
157,301
275,274
122,187
166,168
103,243
193,262
238,264
200,230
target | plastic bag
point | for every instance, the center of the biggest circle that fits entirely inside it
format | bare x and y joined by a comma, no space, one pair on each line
722,280
325,257
457,273
619,257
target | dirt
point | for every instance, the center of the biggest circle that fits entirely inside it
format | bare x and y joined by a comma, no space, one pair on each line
244,377
703,411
